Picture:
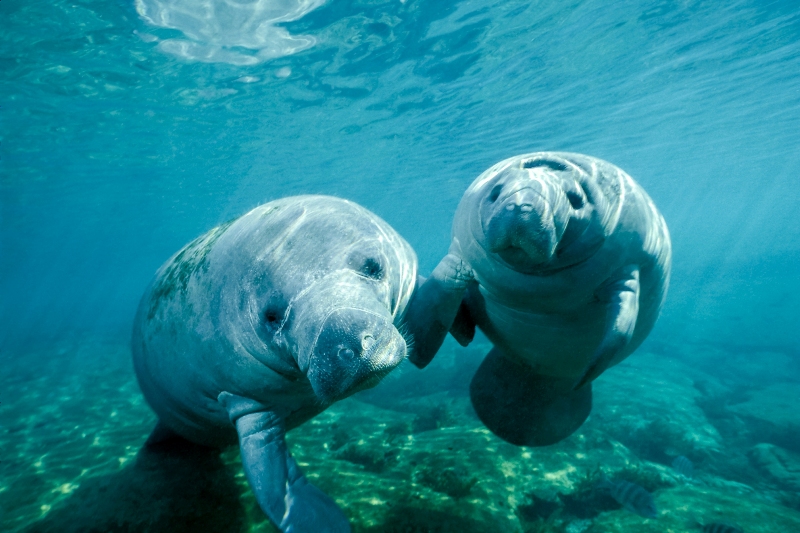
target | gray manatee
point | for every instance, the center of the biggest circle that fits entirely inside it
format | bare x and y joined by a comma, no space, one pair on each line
263,322
563,261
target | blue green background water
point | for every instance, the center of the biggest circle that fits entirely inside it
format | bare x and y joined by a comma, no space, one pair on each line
115,152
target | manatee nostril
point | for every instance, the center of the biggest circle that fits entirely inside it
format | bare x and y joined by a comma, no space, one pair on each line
367,342
525,208
346,353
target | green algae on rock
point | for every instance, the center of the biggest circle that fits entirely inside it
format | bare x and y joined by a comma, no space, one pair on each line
782,466
63,455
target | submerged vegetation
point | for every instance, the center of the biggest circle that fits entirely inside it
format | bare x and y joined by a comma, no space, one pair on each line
64,454
373,460
456,482
435,417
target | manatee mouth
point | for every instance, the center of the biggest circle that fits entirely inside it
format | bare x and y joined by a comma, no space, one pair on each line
369,381
354,350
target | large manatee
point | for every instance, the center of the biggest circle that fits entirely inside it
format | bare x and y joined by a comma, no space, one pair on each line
563,261
262,323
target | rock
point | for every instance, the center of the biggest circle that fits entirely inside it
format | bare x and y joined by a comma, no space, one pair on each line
734,362
758,366
578,526
648,402
772,414
781,465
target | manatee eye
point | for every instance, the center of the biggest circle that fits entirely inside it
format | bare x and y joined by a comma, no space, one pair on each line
272,319
575,199
495,194
372,269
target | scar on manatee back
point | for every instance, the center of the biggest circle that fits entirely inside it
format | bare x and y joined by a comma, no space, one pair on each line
176,276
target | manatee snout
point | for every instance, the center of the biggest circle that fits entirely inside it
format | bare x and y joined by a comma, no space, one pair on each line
355,348
521,228
524,220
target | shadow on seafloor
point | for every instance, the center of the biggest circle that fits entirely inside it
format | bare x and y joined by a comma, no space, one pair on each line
173,487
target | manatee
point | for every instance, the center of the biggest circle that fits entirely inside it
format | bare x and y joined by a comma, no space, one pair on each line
261,324
563,261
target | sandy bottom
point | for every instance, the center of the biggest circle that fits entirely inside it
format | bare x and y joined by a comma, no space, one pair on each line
410,455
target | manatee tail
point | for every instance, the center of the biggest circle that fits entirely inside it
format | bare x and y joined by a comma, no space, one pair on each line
523,407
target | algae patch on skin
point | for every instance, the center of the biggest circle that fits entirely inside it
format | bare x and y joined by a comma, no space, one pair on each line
180,268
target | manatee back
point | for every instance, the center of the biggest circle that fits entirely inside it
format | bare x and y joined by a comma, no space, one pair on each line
167,355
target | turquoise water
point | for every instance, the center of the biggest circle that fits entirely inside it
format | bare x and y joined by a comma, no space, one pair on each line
122,139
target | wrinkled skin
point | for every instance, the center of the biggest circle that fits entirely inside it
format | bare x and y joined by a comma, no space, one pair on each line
563,261
262,323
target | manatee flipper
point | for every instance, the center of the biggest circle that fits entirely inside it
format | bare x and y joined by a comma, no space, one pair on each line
463,328
620,294
310,509
523,407
281,490
434,307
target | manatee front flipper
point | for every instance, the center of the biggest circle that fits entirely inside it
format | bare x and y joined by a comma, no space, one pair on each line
621,296
281,490
523,407
434,307
463,328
